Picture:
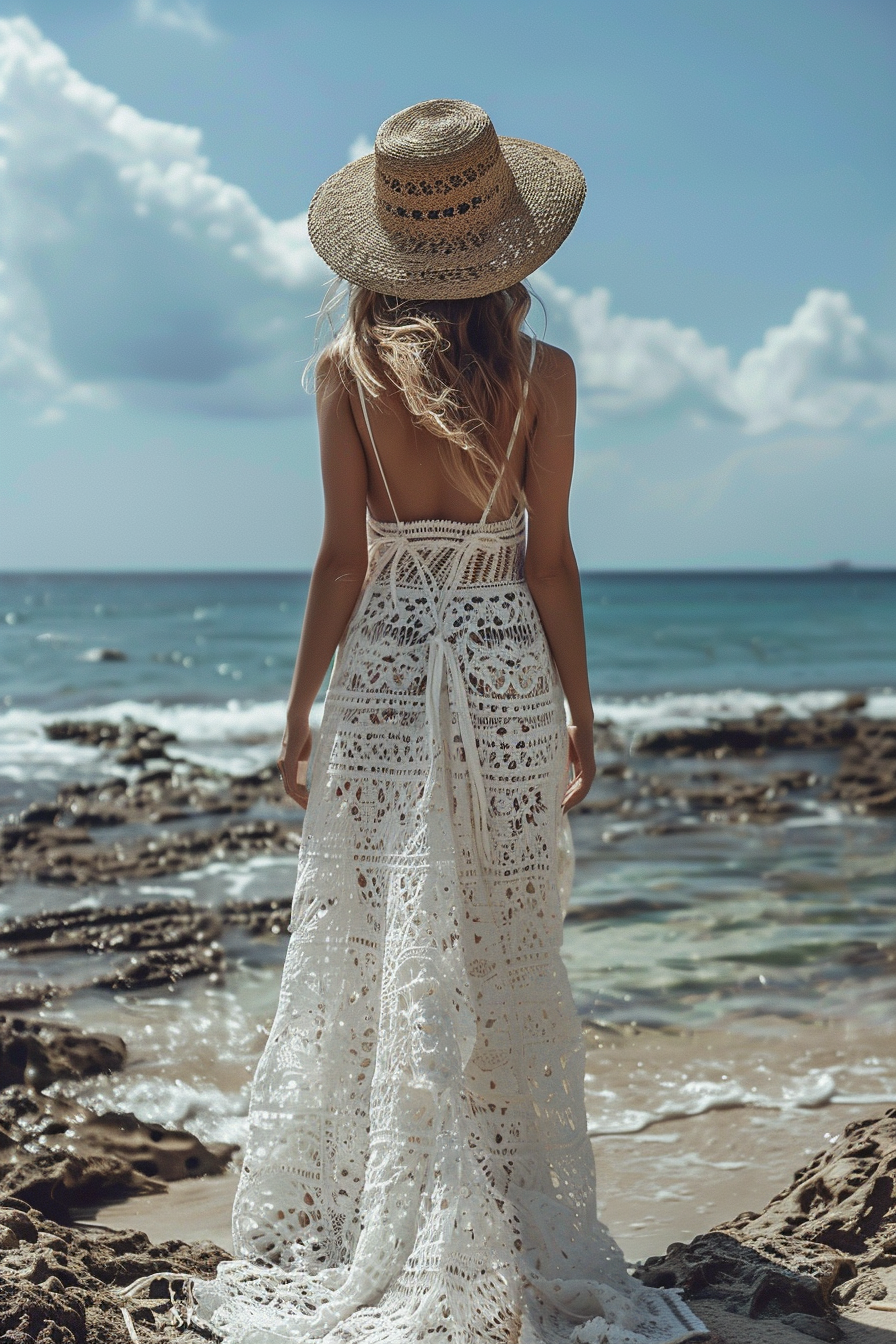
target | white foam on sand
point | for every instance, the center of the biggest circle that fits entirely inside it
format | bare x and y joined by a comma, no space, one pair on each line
213,1115
696,1097
815,1089
191,1055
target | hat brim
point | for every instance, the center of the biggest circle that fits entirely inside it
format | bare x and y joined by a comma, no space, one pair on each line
345,230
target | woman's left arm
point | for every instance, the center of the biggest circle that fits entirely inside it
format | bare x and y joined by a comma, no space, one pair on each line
339,571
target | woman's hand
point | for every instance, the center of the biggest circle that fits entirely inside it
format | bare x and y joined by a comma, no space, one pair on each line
293,761
581,762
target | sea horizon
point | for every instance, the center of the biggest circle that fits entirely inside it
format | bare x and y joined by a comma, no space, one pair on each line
834,569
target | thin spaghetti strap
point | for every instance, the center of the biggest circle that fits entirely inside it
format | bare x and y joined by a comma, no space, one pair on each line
513,433
376,454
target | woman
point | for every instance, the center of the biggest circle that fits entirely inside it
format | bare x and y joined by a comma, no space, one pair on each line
418,1162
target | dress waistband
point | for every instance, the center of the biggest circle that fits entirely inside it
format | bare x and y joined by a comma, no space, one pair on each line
441,554
449,531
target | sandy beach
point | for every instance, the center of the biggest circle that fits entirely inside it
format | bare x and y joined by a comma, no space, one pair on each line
674,1180
677,1177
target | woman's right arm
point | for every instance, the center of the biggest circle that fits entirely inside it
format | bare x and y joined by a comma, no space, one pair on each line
551,570
338,575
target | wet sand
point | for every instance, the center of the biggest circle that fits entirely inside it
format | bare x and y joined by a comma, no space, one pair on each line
676,1177
192,1210
861,1327
682,1176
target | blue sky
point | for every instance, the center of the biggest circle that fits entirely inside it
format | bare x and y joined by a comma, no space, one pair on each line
729,292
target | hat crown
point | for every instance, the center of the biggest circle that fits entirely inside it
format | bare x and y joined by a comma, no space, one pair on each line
429,133
439,167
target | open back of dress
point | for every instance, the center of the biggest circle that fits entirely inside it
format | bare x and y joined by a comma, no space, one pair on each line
418,1165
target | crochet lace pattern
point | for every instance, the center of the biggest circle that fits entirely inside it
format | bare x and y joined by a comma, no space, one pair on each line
418,1166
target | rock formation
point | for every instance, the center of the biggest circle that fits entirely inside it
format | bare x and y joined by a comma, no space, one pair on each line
57,1154
814,1248
154,943
61,1285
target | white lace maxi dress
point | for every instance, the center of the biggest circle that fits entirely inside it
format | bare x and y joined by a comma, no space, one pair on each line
418,1166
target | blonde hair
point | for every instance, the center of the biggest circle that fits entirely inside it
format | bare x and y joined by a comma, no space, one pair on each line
460,367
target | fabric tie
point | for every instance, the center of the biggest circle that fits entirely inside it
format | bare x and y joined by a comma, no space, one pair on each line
442,655
443,662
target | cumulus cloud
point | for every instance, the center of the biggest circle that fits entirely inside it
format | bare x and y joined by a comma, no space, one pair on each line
178,17
129,271
824,370
126,266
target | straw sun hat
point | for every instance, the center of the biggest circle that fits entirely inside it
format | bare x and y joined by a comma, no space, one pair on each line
444,208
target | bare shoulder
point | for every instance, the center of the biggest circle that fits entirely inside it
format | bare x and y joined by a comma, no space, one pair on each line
555,382
329,382
551,445
555,392
554,363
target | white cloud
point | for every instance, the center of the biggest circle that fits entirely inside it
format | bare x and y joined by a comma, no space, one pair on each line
129,271
823,370
179,17
359,147
120,250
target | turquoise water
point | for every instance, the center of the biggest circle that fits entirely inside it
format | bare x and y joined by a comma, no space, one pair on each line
741,920
205,639
774,632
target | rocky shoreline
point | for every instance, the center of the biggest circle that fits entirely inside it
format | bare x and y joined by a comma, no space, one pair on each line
865,776
59,1283
818,1251
762,769
57,1154
819,1247
64,841
757,776
154,943
65,1285
151,820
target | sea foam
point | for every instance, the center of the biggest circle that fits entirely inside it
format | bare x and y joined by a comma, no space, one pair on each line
240,736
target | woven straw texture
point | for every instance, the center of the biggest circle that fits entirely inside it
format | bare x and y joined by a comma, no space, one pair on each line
444,207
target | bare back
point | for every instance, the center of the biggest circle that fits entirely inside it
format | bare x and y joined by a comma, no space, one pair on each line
542,461
412,460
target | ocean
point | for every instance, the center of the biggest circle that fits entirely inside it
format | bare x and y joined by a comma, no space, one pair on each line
704,929
214,639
